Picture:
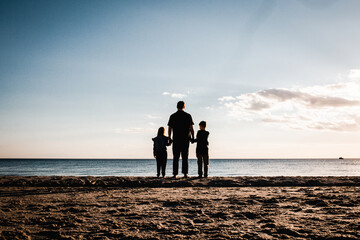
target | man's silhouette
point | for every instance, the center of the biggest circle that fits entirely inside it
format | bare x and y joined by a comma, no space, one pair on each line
181,126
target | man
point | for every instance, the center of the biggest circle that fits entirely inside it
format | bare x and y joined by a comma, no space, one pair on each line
181,126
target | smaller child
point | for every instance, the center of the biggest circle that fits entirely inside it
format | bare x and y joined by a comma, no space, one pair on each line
160,153
202,151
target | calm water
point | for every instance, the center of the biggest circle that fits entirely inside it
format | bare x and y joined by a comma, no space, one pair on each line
147,167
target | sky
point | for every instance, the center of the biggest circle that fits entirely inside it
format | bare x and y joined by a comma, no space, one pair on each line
96,79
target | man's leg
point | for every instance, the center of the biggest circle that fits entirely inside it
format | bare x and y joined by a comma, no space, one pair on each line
184,157
176,153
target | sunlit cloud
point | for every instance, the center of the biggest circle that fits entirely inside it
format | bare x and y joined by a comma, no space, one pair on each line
175,95
327,107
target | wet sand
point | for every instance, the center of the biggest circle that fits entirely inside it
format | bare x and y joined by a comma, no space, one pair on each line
152,208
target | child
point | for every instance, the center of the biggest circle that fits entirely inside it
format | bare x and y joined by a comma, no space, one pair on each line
160,153
202,151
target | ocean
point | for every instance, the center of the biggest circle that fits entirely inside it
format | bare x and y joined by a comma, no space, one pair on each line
147,167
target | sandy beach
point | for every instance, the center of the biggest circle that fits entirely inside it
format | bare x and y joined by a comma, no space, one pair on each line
153,208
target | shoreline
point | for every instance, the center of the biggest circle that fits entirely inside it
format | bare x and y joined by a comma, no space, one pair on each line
154,182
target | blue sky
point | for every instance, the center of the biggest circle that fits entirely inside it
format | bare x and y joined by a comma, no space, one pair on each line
97,78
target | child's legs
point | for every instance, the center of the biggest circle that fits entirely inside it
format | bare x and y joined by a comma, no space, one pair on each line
206,164
163,164
158,163
199,162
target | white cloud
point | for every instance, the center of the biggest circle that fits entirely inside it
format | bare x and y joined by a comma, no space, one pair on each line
178,95
175,95
150,116
226,98
134,130
328,107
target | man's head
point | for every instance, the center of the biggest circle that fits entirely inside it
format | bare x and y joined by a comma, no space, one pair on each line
180,105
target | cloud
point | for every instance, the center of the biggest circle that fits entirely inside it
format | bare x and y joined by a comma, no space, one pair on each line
311,100
333,107
226,98
150,116
175,95
134,130
209,108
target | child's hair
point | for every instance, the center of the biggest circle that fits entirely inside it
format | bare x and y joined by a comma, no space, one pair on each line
203,124
161,131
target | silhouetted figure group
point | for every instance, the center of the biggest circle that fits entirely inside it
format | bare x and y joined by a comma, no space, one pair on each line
180,128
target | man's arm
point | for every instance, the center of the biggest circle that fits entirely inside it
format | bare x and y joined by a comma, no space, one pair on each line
192,131
191,127
169,132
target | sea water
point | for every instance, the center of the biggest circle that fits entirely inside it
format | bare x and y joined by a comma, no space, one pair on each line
147,167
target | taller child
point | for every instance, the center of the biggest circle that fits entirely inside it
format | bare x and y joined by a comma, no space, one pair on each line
181,126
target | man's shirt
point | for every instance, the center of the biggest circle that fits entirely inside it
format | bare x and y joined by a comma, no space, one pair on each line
180,122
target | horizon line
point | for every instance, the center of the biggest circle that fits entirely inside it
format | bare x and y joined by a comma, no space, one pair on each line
282,158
